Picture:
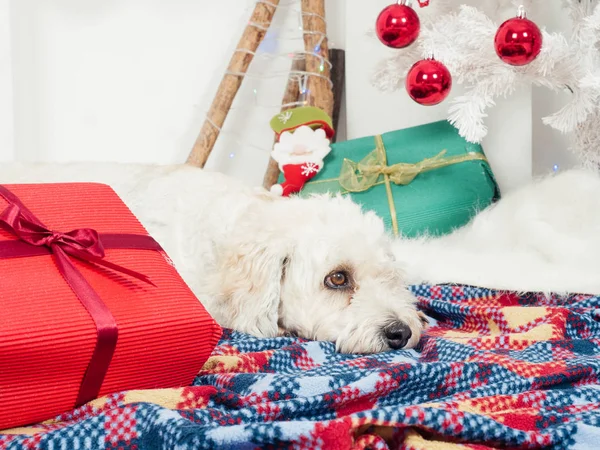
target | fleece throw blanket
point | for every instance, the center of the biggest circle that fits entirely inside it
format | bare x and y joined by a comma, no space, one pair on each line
495,370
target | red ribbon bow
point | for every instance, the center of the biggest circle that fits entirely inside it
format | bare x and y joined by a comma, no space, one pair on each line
83,241
84,244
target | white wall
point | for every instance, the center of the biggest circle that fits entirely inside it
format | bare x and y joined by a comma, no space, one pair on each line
6,94
113,79
549,144
131,80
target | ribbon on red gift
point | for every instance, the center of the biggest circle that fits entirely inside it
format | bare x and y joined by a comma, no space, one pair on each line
84,244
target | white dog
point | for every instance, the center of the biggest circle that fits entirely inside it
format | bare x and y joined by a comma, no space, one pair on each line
323,269
319,268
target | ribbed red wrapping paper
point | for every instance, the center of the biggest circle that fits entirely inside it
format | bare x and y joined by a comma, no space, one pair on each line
47,337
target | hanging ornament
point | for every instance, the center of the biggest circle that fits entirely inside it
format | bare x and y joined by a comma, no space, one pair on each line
518,40
428,82
398,25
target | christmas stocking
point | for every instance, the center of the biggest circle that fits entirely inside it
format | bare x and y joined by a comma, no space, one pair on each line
303,142
296,175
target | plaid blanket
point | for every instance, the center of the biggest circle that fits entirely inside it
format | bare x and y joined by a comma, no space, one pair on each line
494,370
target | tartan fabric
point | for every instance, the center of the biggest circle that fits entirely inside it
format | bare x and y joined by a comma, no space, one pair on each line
495,370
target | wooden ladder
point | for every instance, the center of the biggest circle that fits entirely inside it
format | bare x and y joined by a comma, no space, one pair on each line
318,87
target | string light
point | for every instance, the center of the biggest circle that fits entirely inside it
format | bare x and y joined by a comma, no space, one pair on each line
257,25
318,46
239,141
288,55
293,104
267,2
293,7
270,106
555,168
278,74
293,56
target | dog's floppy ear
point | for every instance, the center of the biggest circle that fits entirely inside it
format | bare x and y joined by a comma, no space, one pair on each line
249,276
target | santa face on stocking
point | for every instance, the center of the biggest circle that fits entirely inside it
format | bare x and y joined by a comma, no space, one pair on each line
300,157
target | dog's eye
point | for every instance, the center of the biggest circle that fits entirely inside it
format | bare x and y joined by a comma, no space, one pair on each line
337,280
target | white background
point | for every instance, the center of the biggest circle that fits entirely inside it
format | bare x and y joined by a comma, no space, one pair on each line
131,80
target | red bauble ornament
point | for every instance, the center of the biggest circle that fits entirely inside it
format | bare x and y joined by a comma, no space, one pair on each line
398,25
518,40
428,82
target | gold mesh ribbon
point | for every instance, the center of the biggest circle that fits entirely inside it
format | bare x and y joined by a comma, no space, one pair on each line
362,176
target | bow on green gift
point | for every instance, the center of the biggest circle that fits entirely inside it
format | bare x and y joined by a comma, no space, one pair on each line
362,176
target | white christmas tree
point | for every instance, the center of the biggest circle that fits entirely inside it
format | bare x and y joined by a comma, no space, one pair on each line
462,38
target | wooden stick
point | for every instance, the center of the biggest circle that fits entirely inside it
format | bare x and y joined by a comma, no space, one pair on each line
230,84
291,95
319,91
338,76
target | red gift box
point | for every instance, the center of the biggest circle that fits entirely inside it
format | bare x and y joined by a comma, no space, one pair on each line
90,312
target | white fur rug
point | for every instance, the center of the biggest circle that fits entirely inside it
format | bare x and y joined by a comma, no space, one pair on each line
544,237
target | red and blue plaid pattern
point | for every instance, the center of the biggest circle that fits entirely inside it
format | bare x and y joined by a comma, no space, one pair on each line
495,370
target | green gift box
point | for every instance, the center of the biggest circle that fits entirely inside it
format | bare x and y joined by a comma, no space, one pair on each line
425,180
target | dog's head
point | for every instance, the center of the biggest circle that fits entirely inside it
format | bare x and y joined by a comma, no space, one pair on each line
319,268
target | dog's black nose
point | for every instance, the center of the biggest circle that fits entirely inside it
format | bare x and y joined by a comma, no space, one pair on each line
397,335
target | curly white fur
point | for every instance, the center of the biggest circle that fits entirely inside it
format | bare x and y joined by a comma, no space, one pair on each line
544,237
257,261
